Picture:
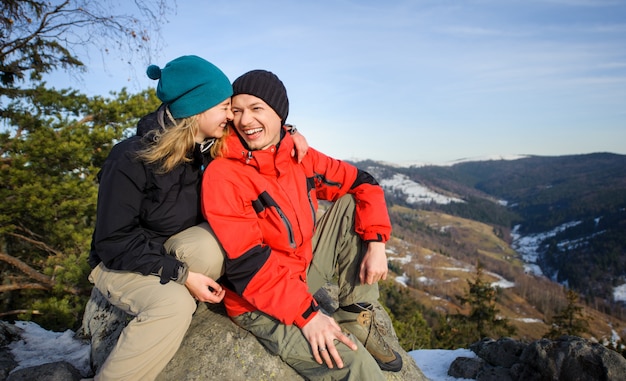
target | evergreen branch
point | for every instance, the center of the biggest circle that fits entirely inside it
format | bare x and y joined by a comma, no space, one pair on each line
45,282
17,312
26,269
22,286
37,243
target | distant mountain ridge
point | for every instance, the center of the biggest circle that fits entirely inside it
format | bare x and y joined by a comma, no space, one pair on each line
573,206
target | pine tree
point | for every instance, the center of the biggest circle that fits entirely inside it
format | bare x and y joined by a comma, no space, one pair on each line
459,330
570,320
51,155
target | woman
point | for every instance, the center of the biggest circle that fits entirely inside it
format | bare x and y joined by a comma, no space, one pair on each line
149,192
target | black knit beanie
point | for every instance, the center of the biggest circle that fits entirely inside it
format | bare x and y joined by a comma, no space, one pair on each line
265,85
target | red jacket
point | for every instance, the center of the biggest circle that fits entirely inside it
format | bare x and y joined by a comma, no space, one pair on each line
262,207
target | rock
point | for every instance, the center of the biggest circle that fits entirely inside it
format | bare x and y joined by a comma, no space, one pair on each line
465,367
215,348
567,358
8,333
57,371
7,363
101,322
494,373
572,358
505,352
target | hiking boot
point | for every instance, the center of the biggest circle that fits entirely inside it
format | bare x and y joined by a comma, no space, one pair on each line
359,320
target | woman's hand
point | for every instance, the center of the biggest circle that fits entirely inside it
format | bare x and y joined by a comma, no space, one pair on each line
203,288
299,141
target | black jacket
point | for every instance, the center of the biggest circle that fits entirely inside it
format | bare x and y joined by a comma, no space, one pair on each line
138,210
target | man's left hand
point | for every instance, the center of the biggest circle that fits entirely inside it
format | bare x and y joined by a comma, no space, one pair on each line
374,264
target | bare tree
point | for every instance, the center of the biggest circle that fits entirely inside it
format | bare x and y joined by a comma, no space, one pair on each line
39,36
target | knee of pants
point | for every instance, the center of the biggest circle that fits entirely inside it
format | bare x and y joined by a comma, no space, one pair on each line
178,306
360,362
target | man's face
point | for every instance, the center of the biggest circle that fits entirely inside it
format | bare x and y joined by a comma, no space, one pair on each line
256,121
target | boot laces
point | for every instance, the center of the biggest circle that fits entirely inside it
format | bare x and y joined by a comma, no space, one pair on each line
380,328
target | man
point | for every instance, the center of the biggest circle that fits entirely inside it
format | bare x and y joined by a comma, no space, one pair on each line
262,205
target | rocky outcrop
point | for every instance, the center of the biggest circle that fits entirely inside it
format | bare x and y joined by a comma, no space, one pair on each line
569,358
56,371
215,348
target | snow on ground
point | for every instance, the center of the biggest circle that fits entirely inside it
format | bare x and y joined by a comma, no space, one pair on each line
403,280
619,293
415,193
419,164
501,282
39,346
529,320
528,246
403,260
434,363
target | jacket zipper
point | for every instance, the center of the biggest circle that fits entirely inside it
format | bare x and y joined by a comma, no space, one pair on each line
292,240
312,209
324,180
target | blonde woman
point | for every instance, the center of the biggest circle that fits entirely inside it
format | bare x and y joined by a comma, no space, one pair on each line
152,255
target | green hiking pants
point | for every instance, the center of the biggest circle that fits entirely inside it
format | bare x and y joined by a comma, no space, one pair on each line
336,248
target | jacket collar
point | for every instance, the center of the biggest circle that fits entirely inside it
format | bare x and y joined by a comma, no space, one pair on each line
265,161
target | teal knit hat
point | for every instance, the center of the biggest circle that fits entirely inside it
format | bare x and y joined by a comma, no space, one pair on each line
190,85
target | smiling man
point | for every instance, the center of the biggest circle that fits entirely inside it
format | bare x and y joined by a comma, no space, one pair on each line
262,205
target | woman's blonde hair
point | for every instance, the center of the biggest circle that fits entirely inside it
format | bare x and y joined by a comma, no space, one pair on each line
171,146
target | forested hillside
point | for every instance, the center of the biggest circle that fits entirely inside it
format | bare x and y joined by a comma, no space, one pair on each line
571,208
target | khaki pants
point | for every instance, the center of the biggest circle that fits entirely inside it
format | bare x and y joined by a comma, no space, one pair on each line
162,311
336,248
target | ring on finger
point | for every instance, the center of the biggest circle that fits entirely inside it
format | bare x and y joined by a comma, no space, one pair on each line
322,349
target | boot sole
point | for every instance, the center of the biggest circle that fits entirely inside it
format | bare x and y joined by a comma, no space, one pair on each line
391,366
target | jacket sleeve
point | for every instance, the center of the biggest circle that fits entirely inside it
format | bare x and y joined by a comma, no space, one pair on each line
119,240
253,269
335,178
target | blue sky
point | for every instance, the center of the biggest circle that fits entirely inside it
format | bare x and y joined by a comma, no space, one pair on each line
416,80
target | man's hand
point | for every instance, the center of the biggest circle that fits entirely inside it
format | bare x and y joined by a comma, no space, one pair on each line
198,286
321,332
374,264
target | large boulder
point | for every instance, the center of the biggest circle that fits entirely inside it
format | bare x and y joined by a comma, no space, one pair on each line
571,358
568,358
214,348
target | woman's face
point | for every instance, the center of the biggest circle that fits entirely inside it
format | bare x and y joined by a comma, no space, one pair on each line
212,122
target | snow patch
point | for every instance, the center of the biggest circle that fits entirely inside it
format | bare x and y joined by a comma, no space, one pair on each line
403,280
434,363
419,164
38,346
529,320
619,293
528,246
403,260
415,193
